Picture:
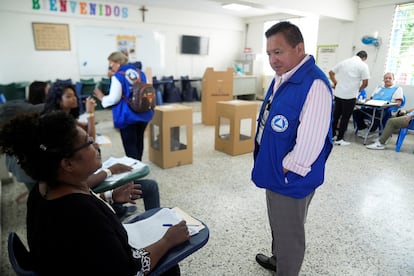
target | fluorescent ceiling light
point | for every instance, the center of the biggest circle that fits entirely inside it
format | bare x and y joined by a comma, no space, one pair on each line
236,7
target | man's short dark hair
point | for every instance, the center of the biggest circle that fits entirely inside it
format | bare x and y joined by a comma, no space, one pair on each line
362,54
290,31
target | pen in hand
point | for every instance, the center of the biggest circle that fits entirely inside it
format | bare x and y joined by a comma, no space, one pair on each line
170,224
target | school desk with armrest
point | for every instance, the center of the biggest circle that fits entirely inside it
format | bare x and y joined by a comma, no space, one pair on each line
379,113
180,252
106,185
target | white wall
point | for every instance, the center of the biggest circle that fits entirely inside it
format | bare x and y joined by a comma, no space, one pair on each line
21,62
373,16
228,38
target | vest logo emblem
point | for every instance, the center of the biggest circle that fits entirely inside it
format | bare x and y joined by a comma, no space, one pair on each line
131,76
279,123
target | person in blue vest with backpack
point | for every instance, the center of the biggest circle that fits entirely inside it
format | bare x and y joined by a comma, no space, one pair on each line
131,124
292,143
386,92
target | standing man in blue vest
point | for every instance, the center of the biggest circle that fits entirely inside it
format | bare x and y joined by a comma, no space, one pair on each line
292,144
385,92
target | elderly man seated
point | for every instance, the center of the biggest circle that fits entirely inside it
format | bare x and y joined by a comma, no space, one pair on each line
387,92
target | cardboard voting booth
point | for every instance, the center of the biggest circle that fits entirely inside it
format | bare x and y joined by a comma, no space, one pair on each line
171,136
216,86
235,126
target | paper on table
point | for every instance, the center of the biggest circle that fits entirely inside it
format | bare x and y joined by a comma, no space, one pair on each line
135,164
147,231
102,139
196,225
376,102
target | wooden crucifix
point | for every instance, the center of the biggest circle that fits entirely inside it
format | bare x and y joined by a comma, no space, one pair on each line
143,9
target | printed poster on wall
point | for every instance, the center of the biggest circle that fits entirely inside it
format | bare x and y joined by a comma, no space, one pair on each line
125,43
326,57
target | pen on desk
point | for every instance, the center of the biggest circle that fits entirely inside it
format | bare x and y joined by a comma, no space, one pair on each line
170,224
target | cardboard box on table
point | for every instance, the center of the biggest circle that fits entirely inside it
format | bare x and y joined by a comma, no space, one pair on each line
240,119
216,86
171,136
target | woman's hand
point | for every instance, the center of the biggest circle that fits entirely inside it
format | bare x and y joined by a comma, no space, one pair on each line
90,105
127,193
119,168
177,234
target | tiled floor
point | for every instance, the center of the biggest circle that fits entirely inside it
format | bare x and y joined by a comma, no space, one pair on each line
361,221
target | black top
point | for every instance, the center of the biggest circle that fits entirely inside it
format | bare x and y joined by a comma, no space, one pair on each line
77,234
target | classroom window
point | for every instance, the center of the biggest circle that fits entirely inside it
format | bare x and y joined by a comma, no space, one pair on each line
401,51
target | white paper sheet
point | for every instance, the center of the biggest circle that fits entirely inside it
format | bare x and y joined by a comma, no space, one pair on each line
147,231
376,102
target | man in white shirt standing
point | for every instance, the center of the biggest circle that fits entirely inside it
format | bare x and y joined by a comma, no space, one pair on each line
348,77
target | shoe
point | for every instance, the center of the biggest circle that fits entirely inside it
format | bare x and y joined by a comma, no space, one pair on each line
376,146
342,143
266,262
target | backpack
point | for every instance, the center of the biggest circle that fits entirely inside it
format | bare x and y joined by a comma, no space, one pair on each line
142,96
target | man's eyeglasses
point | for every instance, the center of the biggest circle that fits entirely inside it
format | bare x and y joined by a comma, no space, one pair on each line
89,141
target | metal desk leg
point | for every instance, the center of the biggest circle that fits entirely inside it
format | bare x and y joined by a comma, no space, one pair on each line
374,112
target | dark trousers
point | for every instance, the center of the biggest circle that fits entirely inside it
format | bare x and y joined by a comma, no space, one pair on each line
133,139
359,116
150,193
342,113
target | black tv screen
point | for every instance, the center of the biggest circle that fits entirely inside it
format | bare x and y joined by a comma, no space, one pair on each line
195,45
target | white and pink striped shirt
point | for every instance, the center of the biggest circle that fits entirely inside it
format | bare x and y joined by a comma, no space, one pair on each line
315,119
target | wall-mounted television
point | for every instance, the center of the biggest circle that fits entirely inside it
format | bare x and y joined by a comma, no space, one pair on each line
195,45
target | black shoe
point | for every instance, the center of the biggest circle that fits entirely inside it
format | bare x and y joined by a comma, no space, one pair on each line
266,262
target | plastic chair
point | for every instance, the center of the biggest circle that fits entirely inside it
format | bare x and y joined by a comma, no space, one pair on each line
19,256
13,91
402,134
172,94
189,93
62,81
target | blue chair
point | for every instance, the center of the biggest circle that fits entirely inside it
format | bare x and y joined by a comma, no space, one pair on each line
19,256
402,134
178,253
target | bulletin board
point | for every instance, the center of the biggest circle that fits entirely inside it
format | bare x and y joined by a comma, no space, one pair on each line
326,57
95,44
51,36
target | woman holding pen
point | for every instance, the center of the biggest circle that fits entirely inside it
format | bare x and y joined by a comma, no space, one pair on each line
70,230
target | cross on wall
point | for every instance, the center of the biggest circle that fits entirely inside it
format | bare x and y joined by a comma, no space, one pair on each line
143,9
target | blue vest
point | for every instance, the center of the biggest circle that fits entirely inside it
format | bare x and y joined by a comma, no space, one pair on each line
122,115
279,136
385,94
